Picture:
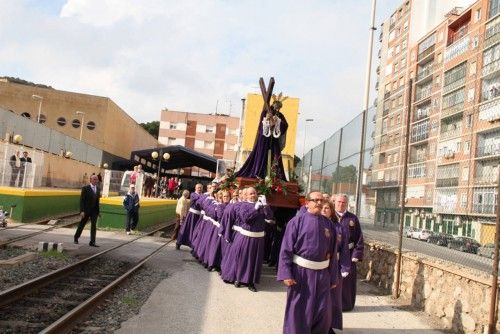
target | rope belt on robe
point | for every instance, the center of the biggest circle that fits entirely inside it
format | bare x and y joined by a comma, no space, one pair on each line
314,265
351,245
196,212
249,233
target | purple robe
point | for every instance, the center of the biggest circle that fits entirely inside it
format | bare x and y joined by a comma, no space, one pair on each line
228,261
308,305
204,201
206,232
256,163
249,251
214,242
189,223
351,222
344,258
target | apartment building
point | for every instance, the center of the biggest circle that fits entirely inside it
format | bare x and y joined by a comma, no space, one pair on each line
215,135
454,130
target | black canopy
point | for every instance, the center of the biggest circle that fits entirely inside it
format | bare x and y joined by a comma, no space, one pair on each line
180,157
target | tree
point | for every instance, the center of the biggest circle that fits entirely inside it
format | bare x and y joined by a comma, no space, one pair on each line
152,127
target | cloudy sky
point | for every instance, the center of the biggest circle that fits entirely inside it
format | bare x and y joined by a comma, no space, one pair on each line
190,55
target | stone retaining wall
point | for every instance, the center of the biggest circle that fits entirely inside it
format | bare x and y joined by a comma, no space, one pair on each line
459,297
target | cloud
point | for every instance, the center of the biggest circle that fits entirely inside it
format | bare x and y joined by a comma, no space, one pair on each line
192,55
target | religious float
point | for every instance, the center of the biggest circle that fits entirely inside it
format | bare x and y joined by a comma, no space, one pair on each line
263,168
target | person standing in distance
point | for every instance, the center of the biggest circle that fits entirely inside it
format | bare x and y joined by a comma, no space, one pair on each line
131,204
89,208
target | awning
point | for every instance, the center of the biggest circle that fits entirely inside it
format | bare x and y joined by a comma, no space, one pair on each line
180,157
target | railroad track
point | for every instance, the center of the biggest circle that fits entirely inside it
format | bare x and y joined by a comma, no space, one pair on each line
57,301
48,229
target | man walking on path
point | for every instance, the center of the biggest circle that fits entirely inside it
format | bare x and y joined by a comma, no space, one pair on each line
356,247
89,208
308,267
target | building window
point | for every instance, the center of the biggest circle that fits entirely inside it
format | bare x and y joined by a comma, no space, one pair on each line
75,123
469,121
209,144
467,147
463,201
91,125
472,68
494,8
465,173
61,121
477,15
172,126
170,141
26,114
209,129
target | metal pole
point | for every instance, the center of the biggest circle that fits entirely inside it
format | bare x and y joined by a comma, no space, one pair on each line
81,126
159,168
494,274
39,110
337,170
402,202
365,109
304,144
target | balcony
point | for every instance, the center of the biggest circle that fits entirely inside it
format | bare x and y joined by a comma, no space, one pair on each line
456,49
488,150
490,110
454,85
448,182
419,137
490,69
492,33
423,55
387,94
417,171
483,208
450,134
420,114
482,179
423,93
452,109
424,72
385,184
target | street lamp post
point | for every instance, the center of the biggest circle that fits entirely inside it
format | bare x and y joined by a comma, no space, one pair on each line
40,99
81,125
160,156
304,144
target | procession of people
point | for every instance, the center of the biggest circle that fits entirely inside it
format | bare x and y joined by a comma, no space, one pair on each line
317,261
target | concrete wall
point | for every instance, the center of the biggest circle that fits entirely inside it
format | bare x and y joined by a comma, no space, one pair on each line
458,296
111,122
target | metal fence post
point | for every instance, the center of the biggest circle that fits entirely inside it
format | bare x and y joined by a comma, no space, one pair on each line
396,290
494,274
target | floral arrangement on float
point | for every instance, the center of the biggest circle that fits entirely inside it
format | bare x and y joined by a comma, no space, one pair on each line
273,183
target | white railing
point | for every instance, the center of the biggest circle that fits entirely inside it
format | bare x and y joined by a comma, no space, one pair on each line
457,48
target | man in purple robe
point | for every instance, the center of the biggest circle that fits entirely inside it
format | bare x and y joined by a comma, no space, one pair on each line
356,248
194,213
308,267
271,136
248,244
227,231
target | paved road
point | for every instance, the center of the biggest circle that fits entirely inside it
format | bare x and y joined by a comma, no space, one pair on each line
391,237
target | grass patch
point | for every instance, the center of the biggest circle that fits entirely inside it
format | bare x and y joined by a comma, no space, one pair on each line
53,254
130,300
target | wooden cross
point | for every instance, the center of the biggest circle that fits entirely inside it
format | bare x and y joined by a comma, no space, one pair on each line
267,93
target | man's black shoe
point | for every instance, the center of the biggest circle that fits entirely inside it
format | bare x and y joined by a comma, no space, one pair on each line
177,246
252,288
237,284
75,241
93,245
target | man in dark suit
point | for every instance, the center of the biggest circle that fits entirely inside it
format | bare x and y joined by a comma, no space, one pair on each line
89,208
